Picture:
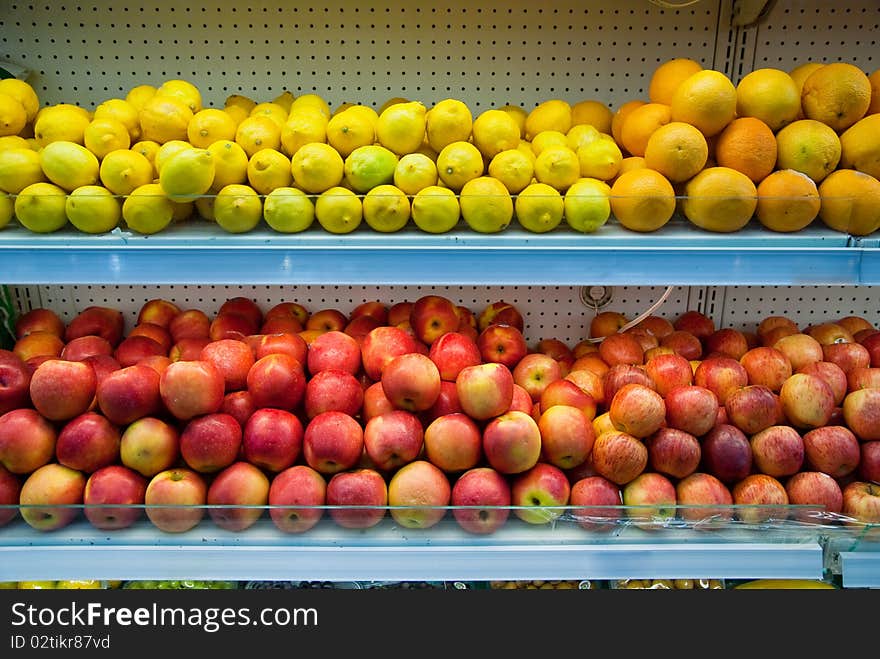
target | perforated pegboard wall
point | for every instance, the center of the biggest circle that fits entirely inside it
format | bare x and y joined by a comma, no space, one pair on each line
481,51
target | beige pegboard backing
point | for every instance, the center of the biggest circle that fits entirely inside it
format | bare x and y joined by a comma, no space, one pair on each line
486,53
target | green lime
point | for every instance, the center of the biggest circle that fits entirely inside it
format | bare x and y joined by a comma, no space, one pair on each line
370,166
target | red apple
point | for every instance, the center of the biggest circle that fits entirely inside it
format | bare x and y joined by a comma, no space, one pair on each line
130,393
832,374
15,382
453,443
728,342
381,345
727,453
770,323
239,484
375,402
333,442
592,362
807,401
87,443
399,312
336,350
447,403
869,461
828,333
722,375
567,436
232,358
621,349
619,376
272,439
485,390
296,495
872,343
279,325
277,380
188,348
157,362
817,490
646,340
588,382
512,442
10,490
833,450
288,310
502,344
673,452
767,366
656,325
761,498
39,320
158,311
566,392
752,408
244,307
333,389
372,308
50,497
692,409
698,495
801,349
778,451
359,498
112,497
230,325
862,378
684,343
695,322
540,494
432,316
82,347
861,413
102,321
149,446
31,347
61,390
393,439
418,493
451,352
190,324
861,502
27,440
854,324
481,498
327,320
239,405
134,349
848,356
619,457
596,503
521,400
637,410
211,442
606,323
556,348
411,382
500,312
534,372
191,388
287,343
668,371
652,499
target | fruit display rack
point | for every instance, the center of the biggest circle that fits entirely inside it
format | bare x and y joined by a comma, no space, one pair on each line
484,52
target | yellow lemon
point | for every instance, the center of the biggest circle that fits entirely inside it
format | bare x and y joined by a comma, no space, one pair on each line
187,174
495,131
204,206
69,165
486,205
592,113
526,147
435,209
339,210
394,100
369,166
860,146
22,91
230,163
448,121
809,146
93,209
458,163
40,207
349,130
13,117
285,99
720,199
102,136
553,114
164,118
123,112
557,166
36,585
72,584
148,149
268,169
18,169
401,127
237,113
182,210
303,126
546,139
317,167
240,100
168,149
519,115
539,208
600,159
138,96
311,100
386,208
182,90
586,205
272,110
7,208
13,142
147,209
258,132
288,210
513,168
580,134
124,170
414,172
210,125
237,208
60,122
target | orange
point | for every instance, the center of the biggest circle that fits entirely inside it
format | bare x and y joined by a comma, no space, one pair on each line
639,125
770,95
676,150
720,199
707,99
800,73
642,200
809,146
592,113
668,76
850,202
620,116
747,145
787,201
874,79
860,146
837,94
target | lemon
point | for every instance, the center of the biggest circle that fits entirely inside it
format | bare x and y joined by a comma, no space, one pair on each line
241,101
339,210
539,208
22,91
182,90
600,159
349,130
7,209
270,110
40,207
592,113
547,139
587,205
147,209
435,209
237,113
285,99
164,118
230,163
124,170
580,135
316,167
93,209
13,116
258,132
495,131
60,122
401,127
208,126
148,149
526,147
446,122
18,169
268,169
369,166
123,112
69,165
168,149
187,174
386,208
311,101
553,114
303,125
182,210
288,210
458,163
237,208
519,115
513,168
204,206
13,142
394,100
102,136
85,584
414,172
557,166
486,205
138,96
36,585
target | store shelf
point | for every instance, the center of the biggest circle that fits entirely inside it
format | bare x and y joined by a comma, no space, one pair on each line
678,254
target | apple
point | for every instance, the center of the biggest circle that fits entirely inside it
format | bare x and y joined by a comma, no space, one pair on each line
372,308
272,439
334,350
149,445
285,342
333,389
112,497
778,451
244,307
61,390
232,358
39,320
817,489
801,349
567,436
807,401
621,349
828,333
590,361
726,341
773,322
296,495
722,375
188,349
534,372
399,312
453,442
861,413
129,394
684,343
288,310
411,382
359,497
500,312
50,495
673,452
651,497
540,494
832,374
447,403
695,322
280,325
85,346
418,493
854,324
656,325
646,340
383,344
393,438
239,484
833,450
359,327
10,490
752,408
32,347
502,344
566,392
637,410
210,442
697,492
277,380
861,502
190,324
134,349
761,498
157,362
606,323
485,390
847,356
726,453
668,371
432,316
557,349
327,320
15,382
239,405
588,382
512,442
158,311
602,423
872,343
596,503
481,498
230,325
861,378
619,376
453,351
103,321
332,442
87,443
869,461
191,388
619,457
375,402
767,366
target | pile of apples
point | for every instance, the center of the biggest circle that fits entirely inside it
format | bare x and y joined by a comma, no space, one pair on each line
424,410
